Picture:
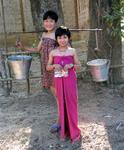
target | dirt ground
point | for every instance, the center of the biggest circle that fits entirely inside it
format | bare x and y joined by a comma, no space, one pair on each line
25,120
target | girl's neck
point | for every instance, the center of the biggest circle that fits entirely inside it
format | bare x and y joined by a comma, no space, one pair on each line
49,35
51,31
62,49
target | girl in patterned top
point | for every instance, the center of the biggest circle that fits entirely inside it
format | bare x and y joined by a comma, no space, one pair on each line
46,44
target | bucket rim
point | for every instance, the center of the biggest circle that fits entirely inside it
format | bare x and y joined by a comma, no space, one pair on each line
19,57
94,62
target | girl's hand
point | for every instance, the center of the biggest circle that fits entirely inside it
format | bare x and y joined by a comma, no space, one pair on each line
20,45
57,67
68,66
77,66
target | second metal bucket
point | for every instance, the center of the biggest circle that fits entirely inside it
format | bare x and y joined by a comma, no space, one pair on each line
99,69
20,65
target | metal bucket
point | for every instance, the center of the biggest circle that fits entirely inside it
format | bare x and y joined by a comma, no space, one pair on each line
99,69
20,65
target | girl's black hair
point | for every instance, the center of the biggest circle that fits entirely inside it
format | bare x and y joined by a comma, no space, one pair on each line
50,14
62,31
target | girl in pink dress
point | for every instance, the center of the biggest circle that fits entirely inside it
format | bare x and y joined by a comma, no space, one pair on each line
63,60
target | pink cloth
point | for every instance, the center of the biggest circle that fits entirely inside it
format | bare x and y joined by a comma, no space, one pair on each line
66,92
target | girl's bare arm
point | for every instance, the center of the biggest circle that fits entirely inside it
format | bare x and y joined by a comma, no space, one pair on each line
32,49
50,66
77,63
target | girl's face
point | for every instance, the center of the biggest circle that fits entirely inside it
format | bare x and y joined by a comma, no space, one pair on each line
63,40
49,24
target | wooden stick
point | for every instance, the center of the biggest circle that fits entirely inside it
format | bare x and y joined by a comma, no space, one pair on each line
117,66
26,52
36,77
6,79
42,30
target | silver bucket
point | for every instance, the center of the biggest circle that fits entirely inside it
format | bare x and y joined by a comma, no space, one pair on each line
99,69
20,65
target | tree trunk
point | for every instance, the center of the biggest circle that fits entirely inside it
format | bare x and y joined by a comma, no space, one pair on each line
109,47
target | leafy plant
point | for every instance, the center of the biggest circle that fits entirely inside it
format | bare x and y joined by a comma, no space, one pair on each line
115,18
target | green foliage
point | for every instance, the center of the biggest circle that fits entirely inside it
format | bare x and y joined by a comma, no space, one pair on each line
34,44
115,18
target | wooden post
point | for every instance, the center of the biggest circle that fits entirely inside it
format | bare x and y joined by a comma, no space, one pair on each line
8,83
22,15
28,86
4,27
